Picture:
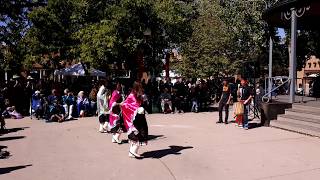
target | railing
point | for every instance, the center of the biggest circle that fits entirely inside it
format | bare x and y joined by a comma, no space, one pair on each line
265,97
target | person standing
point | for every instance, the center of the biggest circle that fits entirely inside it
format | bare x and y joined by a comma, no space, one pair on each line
246,95
224,101
166,104
194,96
180,91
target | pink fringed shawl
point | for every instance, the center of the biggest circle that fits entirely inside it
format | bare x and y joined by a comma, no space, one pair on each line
114,98
113,118
129,111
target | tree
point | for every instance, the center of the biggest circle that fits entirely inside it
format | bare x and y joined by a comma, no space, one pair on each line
13,26
247,29
50,34
203,53
226,35
102,32
307,45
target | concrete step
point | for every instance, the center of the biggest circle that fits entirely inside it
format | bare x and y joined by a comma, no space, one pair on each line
304,107
298,120
296,127
303,113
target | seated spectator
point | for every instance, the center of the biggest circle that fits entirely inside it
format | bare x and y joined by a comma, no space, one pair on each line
53,97
12,113
4,112
82,104
93,101
57,112
68,101
37,104
166,104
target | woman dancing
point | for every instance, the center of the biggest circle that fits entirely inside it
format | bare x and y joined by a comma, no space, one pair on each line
115,124
103,108
134,120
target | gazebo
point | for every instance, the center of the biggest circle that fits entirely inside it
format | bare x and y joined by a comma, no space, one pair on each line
296,14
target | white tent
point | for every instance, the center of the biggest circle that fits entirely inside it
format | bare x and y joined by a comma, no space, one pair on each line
313,75
77,70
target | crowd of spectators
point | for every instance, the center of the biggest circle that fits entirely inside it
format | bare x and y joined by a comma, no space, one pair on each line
57,101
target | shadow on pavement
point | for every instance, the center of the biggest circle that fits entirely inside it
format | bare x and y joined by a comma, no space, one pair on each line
150,138
12,130
72,119
4,154
155,137
3,147
254,125
10,169
11,138
175,150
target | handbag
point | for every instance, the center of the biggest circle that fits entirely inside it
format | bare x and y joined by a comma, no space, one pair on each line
238,108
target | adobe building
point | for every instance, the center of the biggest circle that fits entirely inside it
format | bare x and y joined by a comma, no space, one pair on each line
306,76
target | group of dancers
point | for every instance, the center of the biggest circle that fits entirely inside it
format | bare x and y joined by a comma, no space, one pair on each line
118,115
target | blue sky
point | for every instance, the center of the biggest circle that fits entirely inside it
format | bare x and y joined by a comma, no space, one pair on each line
281,32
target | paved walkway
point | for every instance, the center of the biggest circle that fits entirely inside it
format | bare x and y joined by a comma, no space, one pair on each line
184,147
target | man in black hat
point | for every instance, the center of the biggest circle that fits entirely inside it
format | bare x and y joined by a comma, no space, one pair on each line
225,101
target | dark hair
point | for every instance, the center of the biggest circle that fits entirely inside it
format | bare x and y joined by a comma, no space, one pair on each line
137,89
244,78
102,82
116,109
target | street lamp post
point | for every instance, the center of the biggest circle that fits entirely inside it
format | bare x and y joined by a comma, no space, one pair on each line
293,61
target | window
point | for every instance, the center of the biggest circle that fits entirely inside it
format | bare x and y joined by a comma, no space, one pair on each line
315,65
309,65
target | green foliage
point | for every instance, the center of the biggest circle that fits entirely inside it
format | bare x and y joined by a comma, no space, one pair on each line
227,34
307,45
216,38
51,31
13,26
203,52
247,30
97,42
105,31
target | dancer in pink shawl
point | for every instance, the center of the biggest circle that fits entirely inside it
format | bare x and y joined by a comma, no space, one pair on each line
134,120
115,124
